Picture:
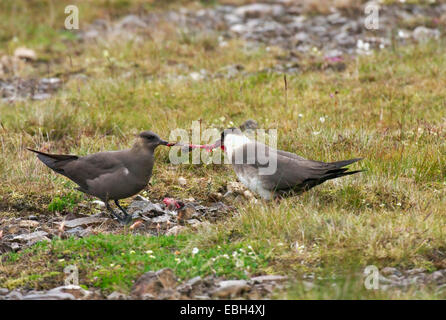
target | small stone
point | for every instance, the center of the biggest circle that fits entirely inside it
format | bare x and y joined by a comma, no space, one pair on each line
235,187
182,181
98,203
249,125
194,281
83,222
186,213
215,196
153,283
161,219
387,271
76,291
415,271
259,10
3,291
14,295
34,236
25,53
437,276
194,222
141,206
132,22
75,231
28,224
196,76
117,296
269,278
50,296
308,285
248,194
230,288
422,34
174,231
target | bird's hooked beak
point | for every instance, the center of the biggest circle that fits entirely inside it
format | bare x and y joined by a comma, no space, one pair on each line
167,143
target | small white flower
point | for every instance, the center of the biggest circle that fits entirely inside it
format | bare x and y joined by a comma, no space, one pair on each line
149,251
399,204
300,115
195,251
322,119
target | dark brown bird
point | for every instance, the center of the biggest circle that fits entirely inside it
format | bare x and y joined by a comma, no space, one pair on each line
111,175
289,172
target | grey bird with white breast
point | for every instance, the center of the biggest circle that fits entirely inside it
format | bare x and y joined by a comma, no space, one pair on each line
252,162
111,175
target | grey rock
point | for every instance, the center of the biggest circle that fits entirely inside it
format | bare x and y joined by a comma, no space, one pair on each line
50,296
301,37
152,284
30,237
240,28
230,288
259,10
415,271
3,291
438,276
269,278
142,206
14,295
75,231
41,96
390,271
308,285
194,281
132,22
174,231
232,19
87,221
76,291
117,296
249,125
423,34
161,219
28,224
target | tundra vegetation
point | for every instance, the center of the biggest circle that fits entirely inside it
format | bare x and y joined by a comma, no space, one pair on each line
387,107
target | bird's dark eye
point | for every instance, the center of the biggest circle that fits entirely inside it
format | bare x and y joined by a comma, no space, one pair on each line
150,137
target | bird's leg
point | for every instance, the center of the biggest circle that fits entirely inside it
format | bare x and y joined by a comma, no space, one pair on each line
114,214
127,217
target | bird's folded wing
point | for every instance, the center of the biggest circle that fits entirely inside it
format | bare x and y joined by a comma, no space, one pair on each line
92,167
291,169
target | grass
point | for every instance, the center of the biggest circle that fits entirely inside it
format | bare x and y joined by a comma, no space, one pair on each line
113,262
387,107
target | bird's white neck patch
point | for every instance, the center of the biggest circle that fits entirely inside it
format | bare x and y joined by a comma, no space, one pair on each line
234,141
